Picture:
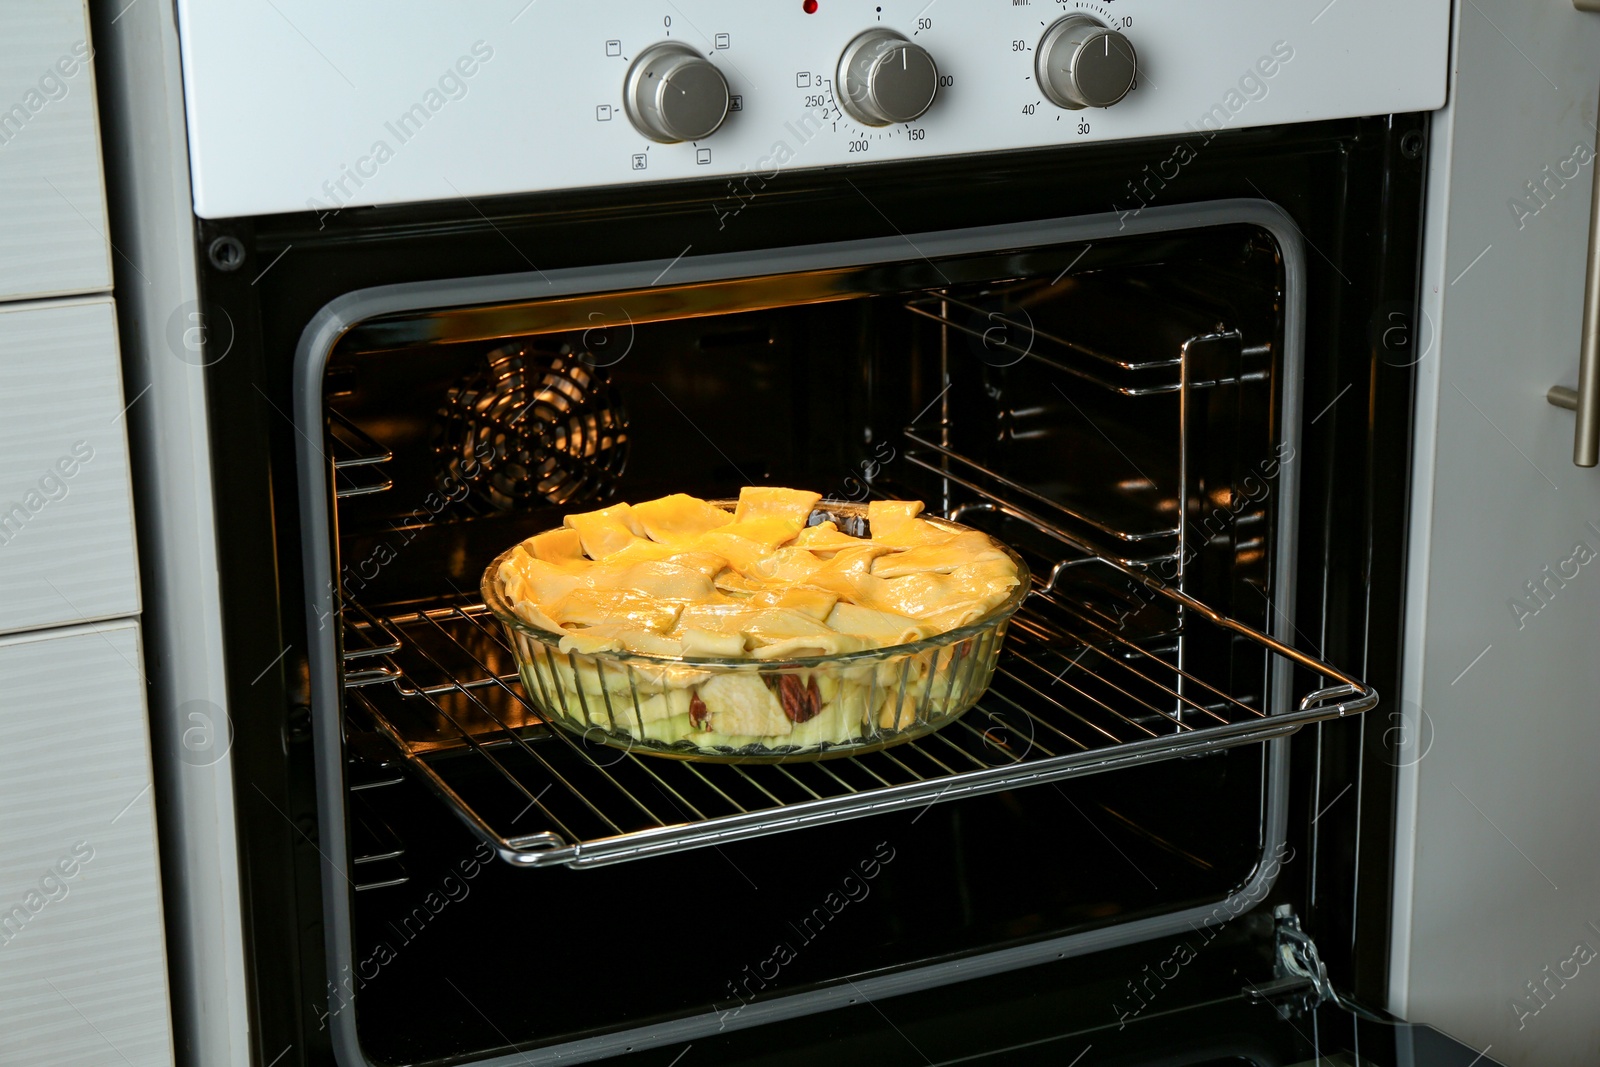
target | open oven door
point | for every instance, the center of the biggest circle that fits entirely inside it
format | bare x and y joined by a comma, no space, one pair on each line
1231,1032
1157,640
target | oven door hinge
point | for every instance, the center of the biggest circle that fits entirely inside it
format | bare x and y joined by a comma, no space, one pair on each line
1300,980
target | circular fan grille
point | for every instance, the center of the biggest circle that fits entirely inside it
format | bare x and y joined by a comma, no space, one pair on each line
536,425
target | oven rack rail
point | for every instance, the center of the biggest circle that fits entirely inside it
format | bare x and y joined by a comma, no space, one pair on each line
357,459
1078,690
1145,544
1127,375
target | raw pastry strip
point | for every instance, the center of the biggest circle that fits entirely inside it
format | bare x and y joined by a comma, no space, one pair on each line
680,577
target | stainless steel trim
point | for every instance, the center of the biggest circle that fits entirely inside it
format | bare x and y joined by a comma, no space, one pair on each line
139,74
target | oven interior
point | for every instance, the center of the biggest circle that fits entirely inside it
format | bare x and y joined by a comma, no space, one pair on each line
1110,409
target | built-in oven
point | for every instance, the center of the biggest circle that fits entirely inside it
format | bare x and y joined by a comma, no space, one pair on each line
1171,369
1094,399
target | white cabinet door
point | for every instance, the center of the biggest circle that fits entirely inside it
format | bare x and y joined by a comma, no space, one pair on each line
66,520
53,225
1498,878
83,976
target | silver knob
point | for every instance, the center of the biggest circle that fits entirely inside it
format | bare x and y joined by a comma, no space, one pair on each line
884,78
1082,63
673,93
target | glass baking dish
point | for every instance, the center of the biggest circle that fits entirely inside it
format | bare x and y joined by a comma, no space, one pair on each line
840,705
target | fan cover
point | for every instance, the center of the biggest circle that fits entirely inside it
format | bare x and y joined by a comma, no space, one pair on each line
535,425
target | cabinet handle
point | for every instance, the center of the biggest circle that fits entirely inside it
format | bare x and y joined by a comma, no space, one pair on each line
1585,400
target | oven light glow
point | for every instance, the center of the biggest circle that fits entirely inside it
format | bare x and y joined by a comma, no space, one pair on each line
809,7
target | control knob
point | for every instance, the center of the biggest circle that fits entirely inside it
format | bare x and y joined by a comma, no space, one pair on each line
673,93
1082,63
884,78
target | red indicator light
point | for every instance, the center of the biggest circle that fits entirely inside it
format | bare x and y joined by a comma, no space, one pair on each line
809,7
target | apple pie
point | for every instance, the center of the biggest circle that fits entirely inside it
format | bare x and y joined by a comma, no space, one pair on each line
681,623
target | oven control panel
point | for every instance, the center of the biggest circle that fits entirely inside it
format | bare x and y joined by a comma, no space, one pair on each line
299,106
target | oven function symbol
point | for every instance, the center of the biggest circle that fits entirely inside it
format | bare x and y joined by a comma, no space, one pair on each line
802,80
613,48
1081,62
736,102
702,156
602,113
721,41
885,79
673,93
640,161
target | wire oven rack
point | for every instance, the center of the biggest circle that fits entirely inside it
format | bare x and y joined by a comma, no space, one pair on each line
1143,541
1094,676
1155,370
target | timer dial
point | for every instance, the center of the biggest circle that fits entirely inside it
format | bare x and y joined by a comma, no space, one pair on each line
675,94
1080,62
884,78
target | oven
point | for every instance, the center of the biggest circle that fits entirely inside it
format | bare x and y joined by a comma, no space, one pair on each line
1167,360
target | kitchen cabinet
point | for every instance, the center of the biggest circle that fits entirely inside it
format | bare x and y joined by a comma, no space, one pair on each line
66,516
82,965
53,229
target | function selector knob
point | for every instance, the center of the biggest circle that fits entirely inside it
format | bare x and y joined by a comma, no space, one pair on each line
884,78
673,93
1081,63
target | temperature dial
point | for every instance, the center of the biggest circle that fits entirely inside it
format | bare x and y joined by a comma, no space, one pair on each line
675,94
884,78
1082,63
